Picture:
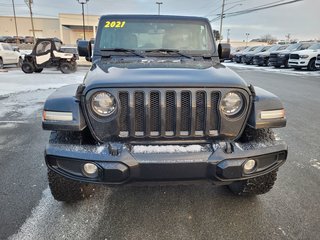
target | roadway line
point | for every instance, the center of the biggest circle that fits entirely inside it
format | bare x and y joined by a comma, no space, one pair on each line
55,220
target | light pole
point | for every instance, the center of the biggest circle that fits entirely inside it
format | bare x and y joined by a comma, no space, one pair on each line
247,35
29,4
15,21
222,14
228,36
159,6
82,2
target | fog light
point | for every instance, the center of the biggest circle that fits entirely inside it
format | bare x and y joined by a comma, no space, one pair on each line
90,169
249,166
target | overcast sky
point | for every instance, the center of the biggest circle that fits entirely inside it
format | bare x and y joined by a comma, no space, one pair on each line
301,19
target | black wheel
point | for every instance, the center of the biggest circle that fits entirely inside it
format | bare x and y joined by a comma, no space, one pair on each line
286,64
27,67
254,186
257,185
312,65
1,63
66,190
38,70
63,189
67,68
19,63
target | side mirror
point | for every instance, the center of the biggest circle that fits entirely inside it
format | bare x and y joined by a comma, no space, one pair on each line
85,49
224,50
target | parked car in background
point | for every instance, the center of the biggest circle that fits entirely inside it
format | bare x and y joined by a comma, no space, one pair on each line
19,39
9,56
305,58
29,39
262,59
6,39
238,56
248,57
235,51
318,62
73,50
281,58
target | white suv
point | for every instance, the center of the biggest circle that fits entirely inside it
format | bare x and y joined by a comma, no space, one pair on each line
305,58
9,56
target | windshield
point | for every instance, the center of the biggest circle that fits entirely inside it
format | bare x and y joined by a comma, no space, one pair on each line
249,49
315,46
293,46
153,34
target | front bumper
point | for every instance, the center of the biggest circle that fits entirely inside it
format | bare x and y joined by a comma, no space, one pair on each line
279,61
117,164
298,63
259,61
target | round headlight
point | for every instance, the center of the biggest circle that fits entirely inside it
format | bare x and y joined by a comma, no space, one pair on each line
231,104
103,104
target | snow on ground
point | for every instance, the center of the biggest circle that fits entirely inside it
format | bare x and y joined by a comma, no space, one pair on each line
15,80
21,95
287,71
19,106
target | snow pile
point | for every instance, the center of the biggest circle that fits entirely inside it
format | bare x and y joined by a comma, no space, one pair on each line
23,105
16,81
168,149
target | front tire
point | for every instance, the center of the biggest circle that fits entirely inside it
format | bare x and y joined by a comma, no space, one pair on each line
261,184
1,63
312,65
67,68
27,67
66,190
254,186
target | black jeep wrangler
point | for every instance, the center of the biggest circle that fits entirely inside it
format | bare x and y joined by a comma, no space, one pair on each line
157,106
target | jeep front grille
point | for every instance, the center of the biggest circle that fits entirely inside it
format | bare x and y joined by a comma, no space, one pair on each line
169,113
294,56
273,55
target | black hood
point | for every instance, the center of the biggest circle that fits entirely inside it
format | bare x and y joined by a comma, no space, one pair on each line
161,73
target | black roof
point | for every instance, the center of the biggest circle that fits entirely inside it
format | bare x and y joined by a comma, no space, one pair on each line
142,16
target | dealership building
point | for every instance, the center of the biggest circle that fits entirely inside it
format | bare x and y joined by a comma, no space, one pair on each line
67,27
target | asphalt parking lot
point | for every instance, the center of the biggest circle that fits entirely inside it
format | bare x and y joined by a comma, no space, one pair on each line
28,211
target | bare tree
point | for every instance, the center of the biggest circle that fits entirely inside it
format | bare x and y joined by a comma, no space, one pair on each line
268,38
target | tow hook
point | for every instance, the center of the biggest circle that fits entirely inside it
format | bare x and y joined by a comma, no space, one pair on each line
227,147
115,149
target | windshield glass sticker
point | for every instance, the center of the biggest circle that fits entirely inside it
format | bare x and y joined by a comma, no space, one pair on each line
115,24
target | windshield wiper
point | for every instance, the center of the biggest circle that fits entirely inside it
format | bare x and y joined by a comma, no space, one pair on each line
125,50
164,50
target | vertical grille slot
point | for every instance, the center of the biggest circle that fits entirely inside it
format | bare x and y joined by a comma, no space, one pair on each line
215,96
124,114
200,112
185,112
155,113
139,125
170,113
